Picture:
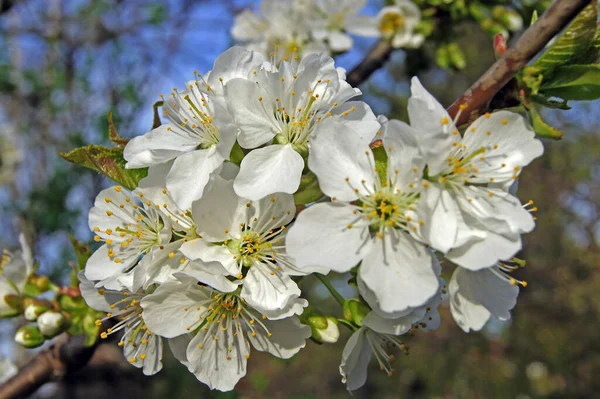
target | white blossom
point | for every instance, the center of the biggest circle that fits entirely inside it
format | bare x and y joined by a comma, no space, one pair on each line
468,212
477,296
15,269
377,336
371,219
141,347
397,23
280,107
200,134
333,20
248,239
223,327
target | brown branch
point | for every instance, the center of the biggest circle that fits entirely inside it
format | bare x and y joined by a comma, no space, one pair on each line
378,55
476,98
66,355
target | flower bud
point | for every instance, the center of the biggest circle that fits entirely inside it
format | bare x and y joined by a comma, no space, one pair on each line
15,302
499,45
51,323
324,329
42,283
355,311
35,308
29,336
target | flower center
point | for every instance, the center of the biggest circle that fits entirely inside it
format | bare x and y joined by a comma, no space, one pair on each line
386,208
391,23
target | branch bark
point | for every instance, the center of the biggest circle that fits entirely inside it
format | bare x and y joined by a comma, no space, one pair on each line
477,97
67,354
377,56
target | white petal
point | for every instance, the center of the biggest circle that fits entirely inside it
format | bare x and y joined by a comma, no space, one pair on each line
208,252
210,364
428,116
288,336
266,292
338,153
339,41
160,145
475,296
360,118
405,161
236,62
218,210
510,145
480,254
99,266
178,346
397,326
157,266
273,169
255,118
355,360
190,174
171,310
363,26
91,295
400,272
321,237
215,280
441,215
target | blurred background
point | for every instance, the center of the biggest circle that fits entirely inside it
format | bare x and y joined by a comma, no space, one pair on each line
65,64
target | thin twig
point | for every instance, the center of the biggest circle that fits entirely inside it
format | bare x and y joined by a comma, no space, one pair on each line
476,98
66,355
374,60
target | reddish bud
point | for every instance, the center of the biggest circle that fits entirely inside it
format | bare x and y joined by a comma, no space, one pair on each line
499,45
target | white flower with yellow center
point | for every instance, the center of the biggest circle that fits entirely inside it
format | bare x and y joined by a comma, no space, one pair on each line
371,219
142,348
200,133
281,23
15,269
333,20
129,225
223,327
378,336
477,296
468,212
397,23
280,108
248,239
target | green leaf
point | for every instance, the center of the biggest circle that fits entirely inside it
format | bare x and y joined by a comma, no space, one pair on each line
549,103
532,78
574,82
541,128
82,252
573,43
112,132
108,161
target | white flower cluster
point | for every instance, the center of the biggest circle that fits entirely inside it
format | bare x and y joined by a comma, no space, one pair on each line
207,256
301,27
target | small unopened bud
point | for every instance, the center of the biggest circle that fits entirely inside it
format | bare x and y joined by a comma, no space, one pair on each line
51,323
15,302
29,336
325,329
42,283
355,311
499,45
35,308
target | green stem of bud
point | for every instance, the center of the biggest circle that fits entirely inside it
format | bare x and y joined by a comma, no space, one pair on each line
338,297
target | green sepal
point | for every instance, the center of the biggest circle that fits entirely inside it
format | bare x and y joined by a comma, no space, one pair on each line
532,78
381,162
112,132
237,154
355,311
70,304
156,122
574,82
29,336
82,252
573,43
541,128
309,194
15,302
108,161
